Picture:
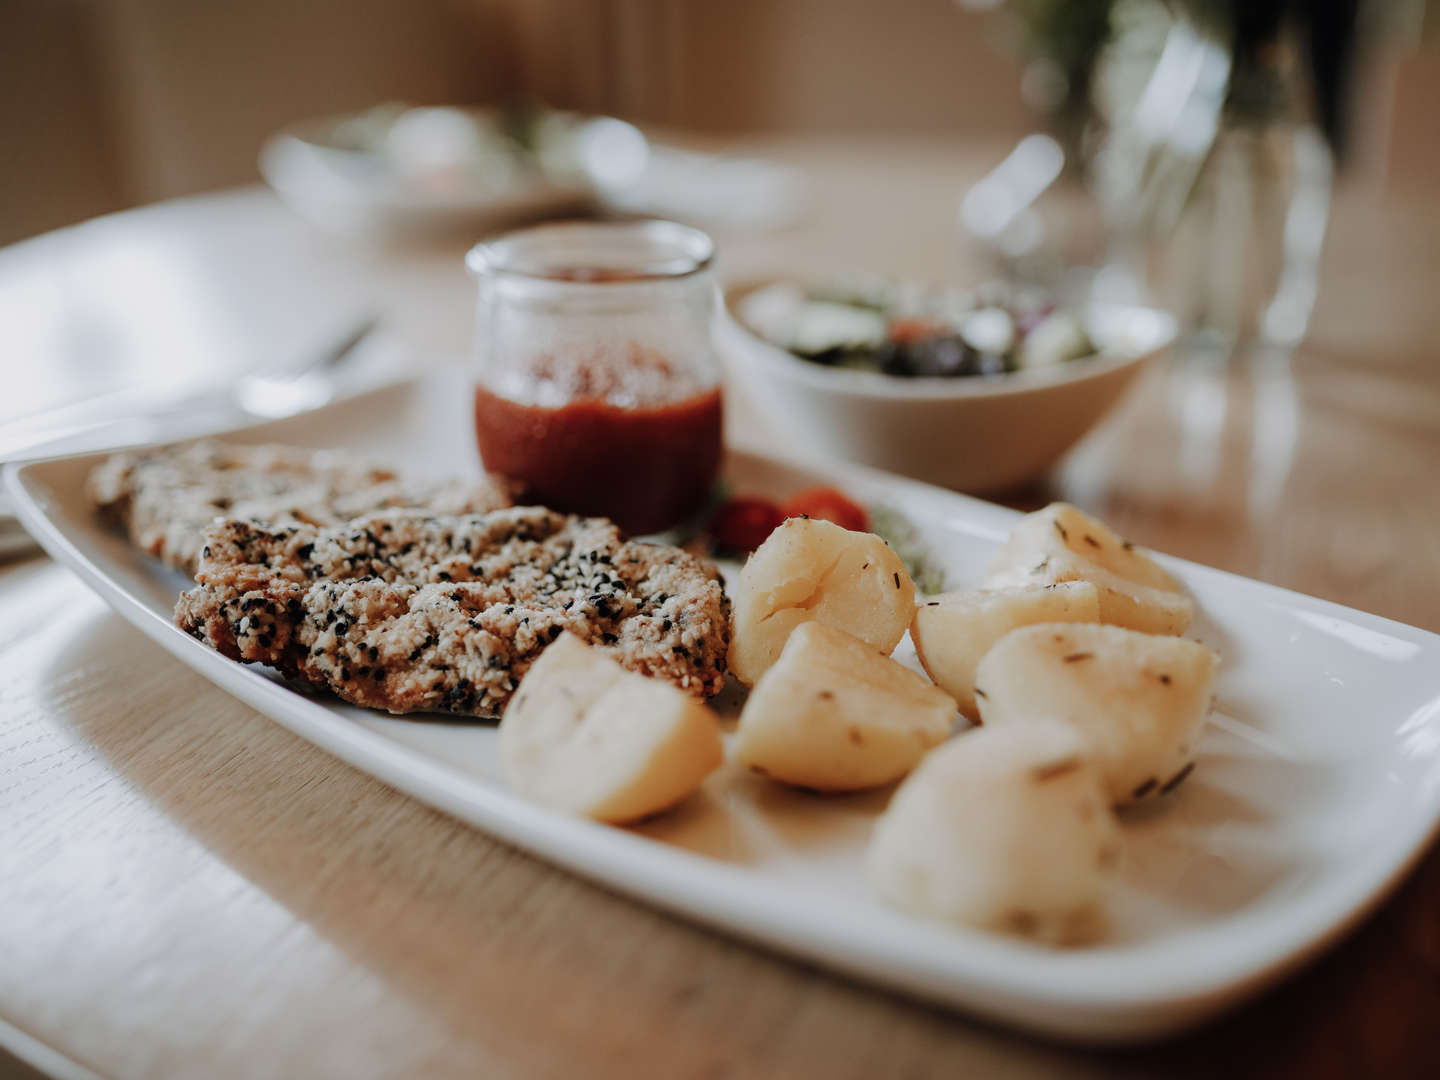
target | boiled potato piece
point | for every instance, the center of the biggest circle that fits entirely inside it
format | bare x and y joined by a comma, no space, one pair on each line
813,571
1061,543
834,715
1061,526
953,631
583,734
1139,699
1003,828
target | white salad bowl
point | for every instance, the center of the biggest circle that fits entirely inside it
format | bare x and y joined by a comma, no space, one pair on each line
974,433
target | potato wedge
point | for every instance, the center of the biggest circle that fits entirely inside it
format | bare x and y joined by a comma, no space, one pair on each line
1061,543
813,571
954,630
583,734
1003,828
834,715
1139,699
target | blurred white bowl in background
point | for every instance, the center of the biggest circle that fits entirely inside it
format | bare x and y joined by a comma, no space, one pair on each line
396,170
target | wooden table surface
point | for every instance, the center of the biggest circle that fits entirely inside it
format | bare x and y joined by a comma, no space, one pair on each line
189,890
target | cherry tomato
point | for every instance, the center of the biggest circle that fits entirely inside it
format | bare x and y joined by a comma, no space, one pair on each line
743,523
827,504
909,331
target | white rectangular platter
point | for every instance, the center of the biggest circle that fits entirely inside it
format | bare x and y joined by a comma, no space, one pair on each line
1317,786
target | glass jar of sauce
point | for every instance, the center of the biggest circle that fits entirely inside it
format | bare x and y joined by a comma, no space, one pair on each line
598,383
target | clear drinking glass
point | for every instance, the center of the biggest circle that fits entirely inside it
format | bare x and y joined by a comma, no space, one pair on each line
598,382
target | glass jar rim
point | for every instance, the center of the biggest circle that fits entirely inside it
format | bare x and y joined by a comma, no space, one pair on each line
642,251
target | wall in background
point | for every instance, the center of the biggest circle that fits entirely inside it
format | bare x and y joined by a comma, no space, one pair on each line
775,65
58,154
112,103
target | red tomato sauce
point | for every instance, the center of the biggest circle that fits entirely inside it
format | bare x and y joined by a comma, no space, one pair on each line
646,467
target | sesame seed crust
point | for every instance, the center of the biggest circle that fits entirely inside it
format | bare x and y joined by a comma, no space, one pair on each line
408,611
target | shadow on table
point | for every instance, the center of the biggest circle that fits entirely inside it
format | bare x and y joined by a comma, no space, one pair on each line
533,966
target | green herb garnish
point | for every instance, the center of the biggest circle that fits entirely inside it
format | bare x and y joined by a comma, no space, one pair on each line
896,530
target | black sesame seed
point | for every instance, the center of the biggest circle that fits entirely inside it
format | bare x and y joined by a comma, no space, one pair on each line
1175,781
